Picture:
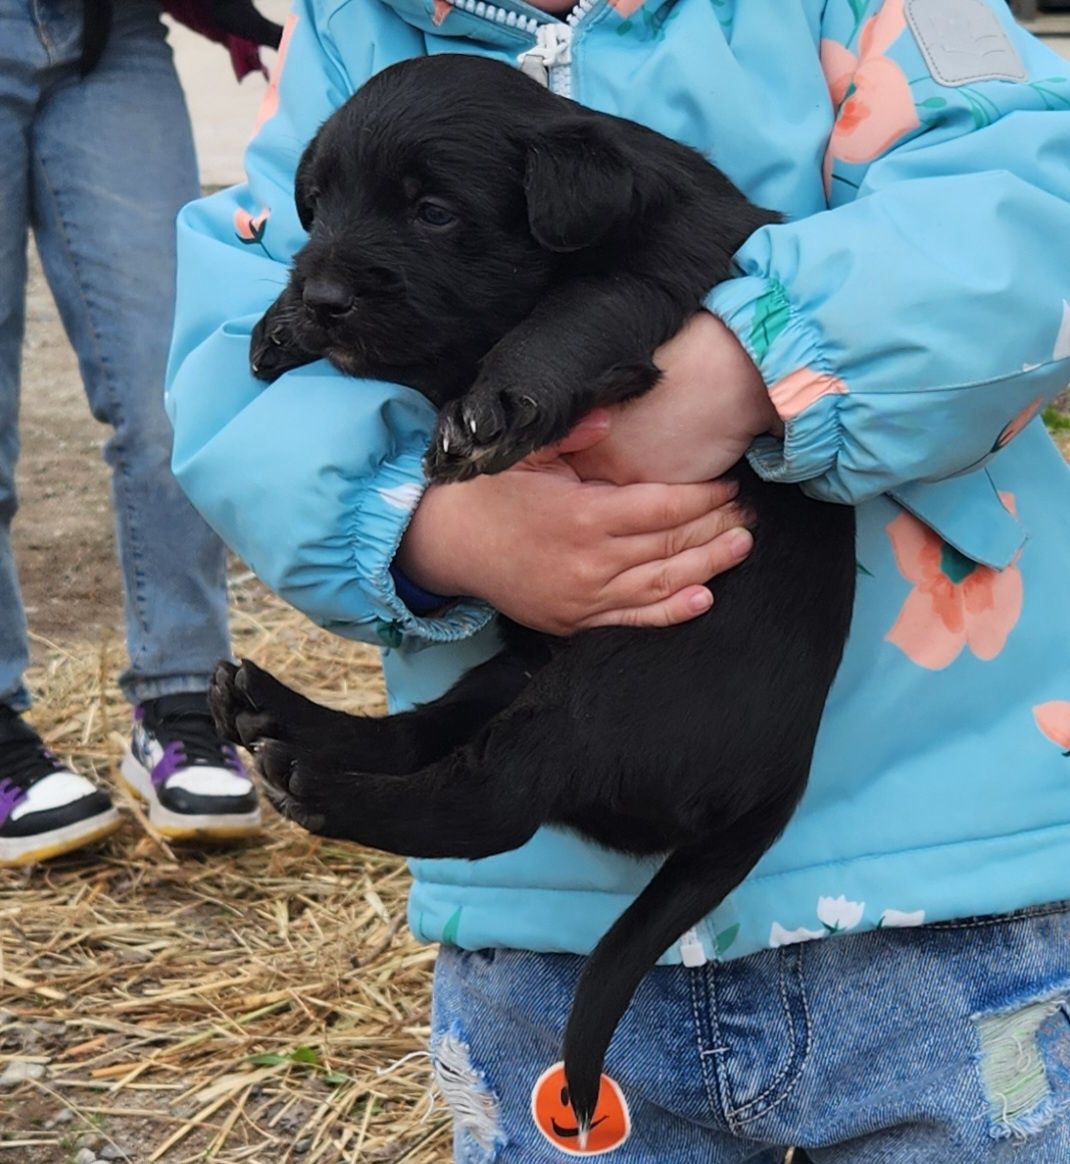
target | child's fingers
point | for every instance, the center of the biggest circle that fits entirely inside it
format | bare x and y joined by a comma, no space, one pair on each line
680,607
640,549
638,509
663,593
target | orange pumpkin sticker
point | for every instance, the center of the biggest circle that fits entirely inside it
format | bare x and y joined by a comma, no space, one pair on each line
554,1117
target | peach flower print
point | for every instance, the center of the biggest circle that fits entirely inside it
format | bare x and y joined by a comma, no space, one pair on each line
955,603
248,228
270,104
1053,719
798,390
1018,423
870,93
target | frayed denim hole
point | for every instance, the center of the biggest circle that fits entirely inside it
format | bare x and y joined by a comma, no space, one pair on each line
1013,1070
465,1089
1054,1040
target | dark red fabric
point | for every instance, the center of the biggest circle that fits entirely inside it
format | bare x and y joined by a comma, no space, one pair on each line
197,14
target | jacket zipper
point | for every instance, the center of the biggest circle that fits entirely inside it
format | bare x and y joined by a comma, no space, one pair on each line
497,15
691,952
549,60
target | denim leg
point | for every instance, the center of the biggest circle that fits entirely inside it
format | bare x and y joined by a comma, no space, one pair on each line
929,1045
903,1046
112,164
21,53
496,1027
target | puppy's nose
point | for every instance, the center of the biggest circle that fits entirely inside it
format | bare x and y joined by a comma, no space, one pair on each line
326,299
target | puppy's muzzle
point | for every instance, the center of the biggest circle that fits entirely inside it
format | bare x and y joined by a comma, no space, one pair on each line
327,301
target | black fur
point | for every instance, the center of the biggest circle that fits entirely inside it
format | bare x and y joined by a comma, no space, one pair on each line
565,248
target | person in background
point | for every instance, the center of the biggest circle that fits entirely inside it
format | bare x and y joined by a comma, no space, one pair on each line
97,160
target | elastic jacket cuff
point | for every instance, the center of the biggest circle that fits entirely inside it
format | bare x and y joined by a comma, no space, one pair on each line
803,388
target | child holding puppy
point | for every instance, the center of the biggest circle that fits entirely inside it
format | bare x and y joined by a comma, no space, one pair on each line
889,346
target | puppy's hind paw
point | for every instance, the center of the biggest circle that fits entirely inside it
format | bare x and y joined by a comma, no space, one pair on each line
224,700
245,701
291,785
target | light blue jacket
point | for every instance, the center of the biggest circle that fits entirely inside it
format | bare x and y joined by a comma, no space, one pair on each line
910,326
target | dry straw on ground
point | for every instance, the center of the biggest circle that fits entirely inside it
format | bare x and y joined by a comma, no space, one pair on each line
263,1004
258,1005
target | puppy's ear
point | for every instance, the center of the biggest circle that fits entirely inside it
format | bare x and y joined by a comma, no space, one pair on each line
304,190
579,185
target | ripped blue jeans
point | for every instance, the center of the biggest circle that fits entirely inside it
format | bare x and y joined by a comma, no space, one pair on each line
946,1044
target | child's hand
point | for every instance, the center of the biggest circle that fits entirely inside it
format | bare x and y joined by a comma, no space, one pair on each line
696,423
561,555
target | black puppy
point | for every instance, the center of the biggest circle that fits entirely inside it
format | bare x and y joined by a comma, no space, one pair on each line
518,259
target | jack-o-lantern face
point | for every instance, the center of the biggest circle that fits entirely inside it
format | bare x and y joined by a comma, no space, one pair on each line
554,1117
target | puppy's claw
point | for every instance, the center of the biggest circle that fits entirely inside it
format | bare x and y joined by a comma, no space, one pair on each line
485,421
482,433
277,764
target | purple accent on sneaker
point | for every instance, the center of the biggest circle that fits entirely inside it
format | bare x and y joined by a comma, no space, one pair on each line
230,754
139,713
10,797
173,758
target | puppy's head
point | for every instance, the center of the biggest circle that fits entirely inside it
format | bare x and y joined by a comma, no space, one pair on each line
442,201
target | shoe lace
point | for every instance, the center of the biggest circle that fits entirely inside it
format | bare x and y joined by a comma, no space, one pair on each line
188,736
25,760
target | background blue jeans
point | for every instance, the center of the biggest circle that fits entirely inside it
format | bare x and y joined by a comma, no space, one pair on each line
946,1044
99,168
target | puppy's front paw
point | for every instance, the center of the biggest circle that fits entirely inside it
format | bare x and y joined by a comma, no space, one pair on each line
490,428
273,350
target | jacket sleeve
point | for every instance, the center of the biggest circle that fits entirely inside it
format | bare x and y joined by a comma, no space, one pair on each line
311,479
912,329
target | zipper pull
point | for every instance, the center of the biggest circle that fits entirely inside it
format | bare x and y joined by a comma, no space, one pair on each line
691,952
552,47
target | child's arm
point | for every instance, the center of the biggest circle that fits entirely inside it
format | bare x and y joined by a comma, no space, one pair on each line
911,330
313,479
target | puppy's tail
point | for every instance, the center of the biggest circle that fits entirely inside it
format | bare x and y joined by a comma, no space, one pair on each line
692,882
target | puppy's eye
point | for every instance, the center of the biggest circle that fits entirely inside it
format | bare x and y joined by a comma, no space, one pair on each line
435,214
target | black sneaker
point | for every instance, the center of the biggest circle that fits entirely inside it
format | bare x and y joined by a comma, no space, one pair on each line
45,808
194,783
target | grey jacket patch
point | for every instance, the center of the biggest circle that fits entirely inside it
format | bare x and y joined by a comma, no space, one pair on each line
963,41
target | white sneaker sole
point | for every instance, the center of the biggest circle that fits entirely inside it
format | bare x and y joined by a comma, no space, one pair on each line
40,847
181,826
